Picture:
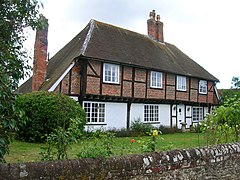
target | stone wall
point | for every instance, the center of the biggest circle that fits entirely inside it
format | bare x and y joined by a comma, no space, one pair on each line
215,162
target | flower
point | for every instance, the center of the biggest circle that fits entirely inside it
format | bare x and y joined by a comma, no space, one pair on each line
155,132
132,140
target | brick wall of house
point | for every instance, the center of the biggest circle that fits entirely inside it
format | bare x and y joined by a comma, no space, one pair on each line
75,80
65,84
140,79
214,162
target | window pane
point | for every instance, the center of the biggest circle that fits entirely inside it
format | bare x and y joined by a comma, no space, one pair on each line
95,112
197,114
151,113
203,86
181,83
156,79
111,73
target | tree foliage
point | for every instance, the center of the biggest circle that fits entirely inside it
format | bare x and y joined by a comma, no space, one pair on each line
46,112
15,16
235,82
223,125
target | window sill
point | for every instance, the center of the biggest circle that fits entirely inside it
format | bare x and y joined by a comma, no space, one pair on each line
154,122
179,90
111,83
96,124
158,88
202,93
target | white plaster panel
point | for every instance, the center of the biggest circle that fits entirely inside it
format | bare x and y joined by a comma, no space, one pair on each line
165,115
116,115
136,112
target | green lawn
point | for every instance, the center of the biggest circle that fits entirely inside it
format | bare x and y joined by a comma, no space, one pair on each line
29,152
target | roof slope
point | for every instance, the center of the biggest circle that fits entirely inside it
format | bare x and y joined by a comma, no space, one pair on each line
110,43
120,45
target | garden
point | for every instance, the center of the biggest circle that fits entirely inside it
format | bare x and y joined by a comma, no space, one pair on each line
51,127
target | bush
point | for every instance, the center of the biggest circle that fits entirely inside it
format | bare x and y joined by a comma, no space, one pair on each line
168,130
121,132
45,112
101,145
138,128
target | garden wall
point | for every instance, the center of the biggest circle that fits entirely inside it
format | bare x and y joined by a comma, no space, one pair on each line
215,162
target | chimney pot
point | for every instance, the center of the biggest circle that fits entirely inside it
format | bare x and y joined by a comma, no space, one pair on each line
155,27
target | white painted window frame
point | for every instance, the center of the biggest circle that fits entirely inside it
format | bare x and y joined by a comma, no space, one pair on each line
151,113
202,87
114,73
181,83
98,112
197,114
156,79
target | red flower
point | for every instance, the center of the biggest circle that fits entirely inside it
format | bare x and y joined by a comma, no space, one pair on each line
132,140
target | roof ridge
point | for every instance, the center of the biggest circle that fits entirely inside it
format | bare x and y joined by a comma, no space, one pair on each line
88,37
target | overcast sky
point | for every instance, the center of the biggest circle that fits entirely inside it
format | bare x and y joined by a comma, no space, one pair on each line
208,31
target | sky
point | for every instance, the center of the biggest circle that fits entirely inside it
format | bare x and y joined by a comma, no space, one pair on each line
208,31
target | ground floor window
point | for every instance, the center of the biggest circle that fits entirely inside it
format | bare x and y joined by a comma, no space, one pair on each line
151,113
95,112
197,114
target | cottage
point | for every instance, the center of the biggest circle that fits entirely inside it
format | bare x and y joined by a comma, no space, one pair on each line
119,76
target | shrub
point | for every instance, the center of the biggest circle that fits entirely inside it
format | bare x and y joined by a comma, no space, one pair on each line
45,112
101,145
138,128
60,140
121,132
168,130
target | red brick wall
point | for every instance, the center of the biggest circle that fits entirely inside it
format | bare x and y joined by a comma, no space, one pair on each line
111,90
65,84
140,75
127,89
93,80
75,80
140,90
127,75
193,95
96,66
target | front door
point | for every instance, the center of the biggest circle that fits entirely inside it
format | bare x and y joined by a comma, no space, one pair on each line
180,115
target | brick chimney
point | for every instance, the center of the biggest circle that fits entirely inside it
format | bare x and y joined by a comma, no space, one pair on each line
155,27
40,56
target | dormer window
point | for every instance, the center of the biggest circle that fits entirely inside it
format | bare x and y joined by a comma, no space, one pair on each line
181,83
111,73
156,79
203,87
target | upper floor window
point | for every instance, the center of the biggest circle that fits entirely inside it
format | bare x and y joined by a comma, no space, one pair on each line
181,83
151,113
156,79
111,73
202,87
95,112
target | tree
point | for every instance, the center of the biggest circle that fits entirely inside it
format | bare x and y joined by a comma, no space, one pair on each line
15,16
235,83
223,124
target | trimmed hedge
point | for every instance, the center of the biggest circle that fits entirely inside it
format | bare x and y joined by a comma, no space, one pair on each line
46,111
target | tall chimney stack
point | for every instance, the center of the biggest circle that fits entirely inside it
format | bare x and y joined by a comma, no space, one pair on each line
40,56
155,27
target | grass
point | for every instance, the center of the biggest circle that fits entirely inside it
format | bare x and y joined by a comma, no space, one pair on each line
29,152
